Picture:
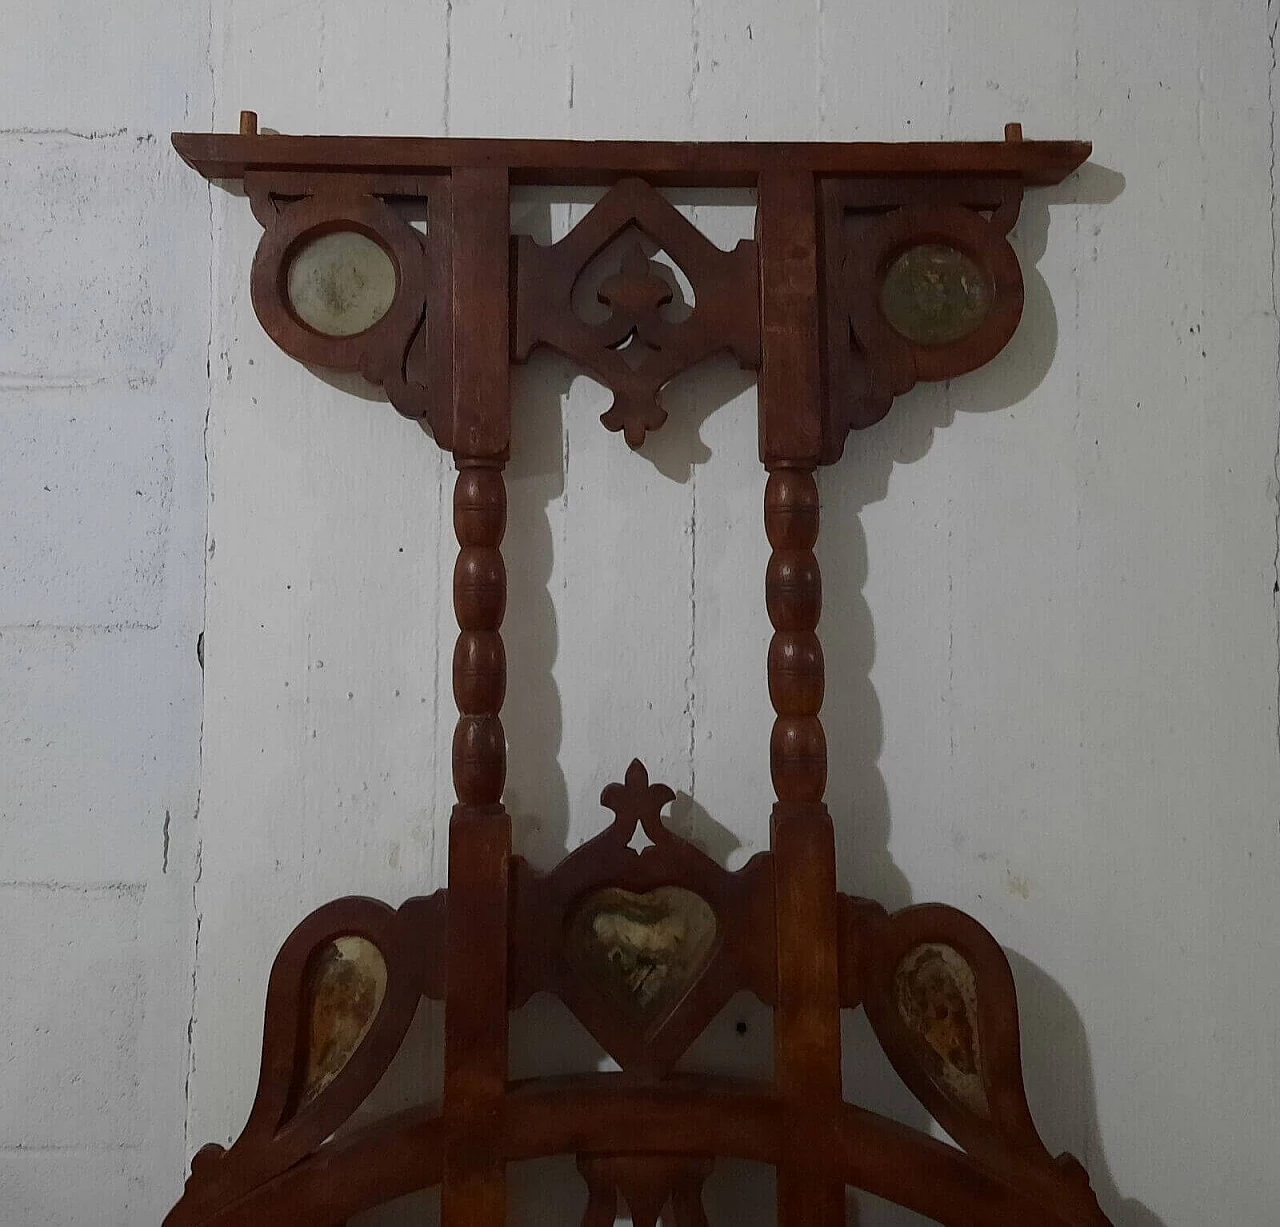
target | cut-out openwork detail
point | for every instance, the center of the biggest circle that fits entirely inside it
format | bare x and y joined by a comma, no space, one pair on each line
644,947
679,932
725,315
920,283
342,280
649,1185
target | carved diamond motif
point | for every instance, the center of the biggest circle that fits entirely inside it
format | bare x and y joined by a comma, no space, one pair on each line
725,316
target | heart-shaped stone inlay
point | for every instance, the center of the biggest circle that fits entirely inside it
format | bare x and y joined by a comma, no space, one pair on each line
643,951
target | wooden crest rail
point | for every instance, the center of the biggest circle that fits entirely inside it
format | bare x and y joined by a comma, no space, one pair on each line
873,266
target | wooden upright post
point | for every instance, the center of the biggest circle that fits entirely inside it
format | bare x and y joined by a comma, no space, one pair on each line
473,1192
807,1021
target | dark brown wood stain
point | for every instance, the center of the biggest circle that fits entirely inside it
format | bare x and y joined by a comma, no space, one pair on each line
645,947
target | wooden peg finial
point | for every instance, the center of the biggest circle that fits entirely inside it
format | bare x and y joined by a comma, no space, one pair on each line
248,123
1013,132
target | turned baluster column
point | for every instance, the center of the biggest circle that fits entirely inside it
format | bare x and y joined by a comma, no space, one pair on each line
479,658
807,1015
793,596
473,1191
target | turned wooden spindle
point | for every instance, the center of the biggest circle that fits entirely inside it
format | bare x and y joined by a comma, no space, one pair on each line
473,1191
479,658
793,596
807,1016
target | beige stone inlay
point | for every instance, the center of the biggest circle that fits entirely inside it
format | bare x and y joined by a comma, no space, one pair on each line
348,984
937,999
643,950
341,283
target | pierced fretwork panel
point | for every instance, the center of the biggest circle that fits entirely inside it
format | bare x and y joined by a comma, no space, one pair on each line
648,1186
639,347
644,947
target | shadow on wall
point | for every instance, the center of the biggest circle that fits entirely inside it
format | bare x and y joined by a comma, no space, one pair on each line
1057,1068
545,1038
536,794
856,791
1059,1078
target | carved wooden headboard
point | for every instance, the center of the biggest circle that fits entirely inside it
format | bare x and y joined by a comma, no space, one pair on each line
873,266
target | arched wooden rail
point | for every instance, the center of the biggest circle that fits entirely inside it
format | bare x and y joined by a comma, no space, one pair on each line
872,267
864,1151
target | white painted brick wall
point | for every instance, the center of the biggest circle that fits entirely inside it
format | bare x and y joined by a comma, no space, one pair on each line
104,281
1050,627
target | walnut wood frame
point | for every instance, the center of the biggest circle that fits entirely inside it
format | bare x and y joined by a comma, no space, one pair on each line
801,303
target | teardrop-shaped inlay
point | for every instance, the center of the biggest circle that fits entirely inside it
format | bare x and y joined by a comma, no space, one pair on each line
643,951
348,981
937,999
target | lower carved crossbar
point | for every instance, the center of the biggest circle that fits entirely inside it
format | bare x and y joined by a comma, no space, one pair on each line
644,947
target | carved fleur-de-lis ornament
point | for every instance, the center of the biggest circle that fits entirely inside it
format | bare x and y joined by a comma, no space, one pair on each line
636,292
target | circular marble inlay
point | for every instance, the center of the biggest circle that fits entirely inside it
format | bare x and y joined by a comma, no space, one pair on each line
934,294
341,283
